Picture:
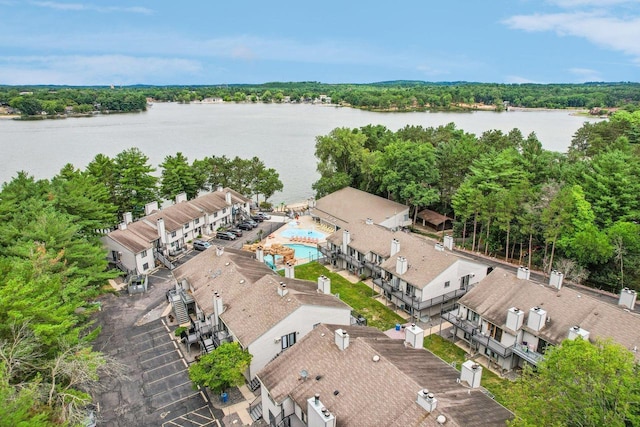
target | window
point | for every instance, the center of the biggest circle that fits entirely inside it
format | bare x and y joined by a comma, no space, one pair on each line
143,254
224,210
464,282
186,226
145,266
197,220
447,284
472,316
495,332
215,214
173,234
288,340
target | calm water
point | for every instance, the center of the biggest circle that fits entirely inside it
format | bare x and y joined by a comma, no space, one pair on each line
282,135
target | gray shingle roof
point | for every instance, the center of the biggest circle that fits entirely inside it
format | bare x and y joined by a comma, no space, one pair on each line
375,393
248,289
349,205
501,290
425,262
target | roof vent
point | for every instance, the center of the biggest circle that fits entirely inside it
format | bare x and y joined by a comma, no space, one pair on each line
376,358
304,374
441,419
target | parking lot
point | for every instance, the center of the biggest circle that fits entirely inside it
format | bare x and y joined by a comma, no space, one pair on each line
158,391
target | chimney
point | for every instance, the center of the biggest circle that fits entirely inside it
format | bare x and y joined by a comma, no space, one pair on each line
219,188
346,239
414,336
628,298
324,284
395,247
471,373
555,279
401,265
577,331
219,250
260,254
439,247
127,218
318,415
427,400
289,271
523,273
342,339
282,289
122,226
161,231
227,197
448,242
181,197
537,318
515,318
150,207
369,221
218,308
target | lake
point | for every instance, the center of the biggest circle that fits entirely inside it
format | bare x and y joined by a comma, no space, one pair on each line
282,135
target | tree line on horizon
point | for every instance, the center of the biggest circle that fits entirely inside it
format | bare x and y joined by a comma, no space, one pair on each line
385,96
577,212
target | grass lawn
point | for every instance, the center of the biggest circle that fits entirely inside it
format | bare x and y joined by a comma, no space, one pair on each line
358,295
449,352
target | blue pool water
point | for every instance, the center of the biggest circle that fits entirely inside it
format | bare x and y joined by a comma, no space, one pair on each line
302,232
303,251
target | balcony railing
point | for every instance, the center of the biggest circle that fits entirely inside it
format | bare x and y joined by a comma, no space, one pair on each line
525,353
493,345
414,301
465,325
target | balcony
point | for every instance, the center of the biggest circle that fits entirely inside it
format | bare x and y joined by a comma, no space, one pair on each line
465,325
523,352
414,301
492,345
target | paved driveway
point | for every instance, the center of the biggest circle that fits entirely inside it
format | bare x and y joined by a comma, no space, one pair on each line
158,391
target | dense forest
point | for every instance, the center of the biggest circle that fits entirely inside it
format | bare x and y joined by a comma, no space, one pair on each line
55,101
577,212
53,266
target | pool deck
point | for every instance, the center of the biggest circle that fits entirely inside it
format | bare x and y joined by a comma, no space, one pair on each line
303,222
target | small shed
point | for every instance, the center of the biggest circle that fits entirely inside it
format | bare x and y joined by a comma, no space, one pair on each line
435,220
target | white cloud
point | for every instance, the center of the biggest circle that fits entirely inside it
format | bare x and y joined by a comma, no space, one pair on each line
590,3
602,30
93,70
90,7
586,75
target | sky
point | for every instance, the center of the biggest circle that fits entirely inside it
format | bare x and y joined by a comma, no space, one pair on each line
159,42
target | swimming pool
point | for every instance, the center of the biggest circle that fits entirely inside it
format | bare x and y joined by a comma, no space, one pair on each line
302,232
303,252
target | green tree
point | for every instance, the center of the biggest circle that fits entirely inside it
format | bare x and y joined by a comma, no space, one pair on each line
222,368
579,384
135,184
178,177
340,157
267,183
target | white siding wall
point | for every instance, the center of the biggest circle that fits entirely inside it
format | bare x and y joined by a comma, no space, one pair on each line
302,320
398,220
268,405
479,271
130,260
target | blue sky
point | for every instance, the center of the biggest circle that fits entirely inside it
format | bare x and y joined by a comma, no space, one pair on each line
102,42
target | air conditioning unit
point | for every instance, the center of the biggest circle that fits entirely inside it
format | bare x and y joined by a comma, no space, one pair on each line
277,340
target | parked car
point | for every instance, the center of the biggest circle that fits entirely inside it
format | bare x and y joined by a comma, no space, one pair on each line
245,226
201,245
235,231
257,218
225,235
263,215
253,223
